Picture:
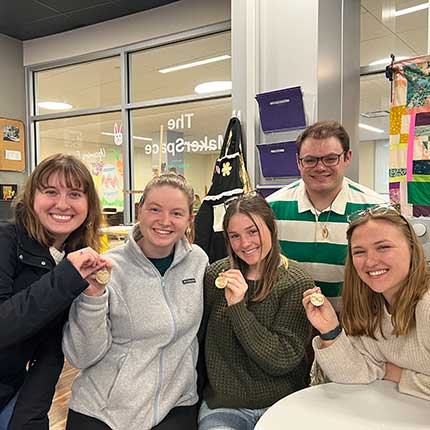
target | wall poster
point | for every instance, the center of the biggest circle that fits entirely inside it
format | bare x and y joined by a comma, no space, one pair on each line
12,148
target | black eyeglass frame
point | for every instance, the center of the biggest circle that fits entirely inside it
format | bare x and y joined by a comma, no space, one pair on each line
316,160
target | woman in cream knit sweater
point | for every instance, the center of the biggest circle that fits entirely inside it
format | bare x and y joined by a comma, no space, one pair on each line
385,331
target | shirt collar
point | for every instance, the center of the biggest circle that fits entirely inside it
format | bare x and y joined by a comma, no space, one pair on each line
338,206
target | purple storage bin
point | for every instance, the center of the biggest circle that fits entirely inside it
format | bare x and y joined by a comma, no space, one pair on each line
281,110
278,159
266,191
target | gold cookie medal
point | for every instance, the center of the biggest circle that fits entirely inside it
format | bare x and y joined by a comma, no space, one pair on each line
220,282
317,299
103,276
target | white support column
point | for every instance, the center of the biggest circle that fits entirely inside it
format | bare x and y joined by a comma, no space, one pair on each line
285,43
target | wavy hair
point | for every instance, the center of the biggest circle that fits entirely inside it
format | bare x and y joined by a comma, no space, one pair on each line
74,174
253,205
325,130
362,308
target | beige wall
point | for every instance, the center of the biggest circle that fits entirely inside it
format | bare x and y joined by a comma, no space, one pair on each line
366,172
169,19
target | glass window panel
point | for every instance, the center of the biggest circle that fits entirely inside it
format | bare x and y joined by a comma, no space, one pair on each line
373,153
148,83
97,141
190,136
81,86
383,33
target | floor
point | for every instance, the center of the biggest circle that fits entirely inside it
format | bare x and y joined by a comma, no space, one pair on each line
58,412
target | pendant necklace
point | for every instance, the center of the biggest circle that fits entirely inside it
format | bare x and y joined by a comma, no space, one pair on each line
324,229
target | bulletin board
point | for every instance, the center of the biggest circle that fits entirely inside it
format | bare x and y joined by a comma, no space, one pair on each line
12,148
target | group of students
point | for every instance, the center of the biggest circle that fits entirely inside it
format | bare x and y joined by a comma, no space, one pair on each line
136,339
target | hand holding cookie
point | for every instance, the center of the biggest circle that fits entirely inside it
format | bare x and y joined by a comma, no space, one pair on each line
100,278
235,286
319,310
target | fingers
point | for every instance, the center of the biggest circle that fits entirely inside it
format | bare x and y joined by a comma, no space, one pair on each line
235,281
88,261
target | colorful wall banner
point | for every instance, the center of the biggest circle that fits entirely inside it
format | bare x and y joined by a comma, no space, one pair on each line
410,136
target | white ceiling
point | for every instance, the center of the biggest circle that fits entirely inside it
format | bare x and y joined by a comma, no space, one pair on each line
382,34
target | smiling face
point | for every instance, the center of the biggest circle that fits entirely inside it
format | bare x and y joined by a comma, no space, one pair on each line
321,179
60,209
381,256
163,218
250,242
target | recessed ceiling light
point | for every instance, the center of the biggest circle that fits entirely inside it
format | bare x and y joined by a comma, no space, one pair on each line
375,114
54,105
212,87
195,64
370,128
416,8
386,61
106,133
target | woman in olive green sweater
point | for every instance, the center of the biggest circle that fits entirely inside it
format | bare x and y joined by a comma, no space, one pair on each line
255,329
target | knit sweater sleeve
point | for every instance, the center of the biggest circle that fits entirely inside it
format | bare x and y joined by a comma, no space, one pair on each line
417,383
279,348
87,336
349,361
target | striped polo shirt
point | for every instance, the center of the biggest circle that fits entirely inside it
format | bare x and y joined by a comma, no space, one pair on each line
318,239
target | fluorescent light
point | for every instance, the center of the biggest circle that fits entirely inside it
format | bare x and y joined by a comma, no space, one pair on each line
195,64
142,138
134,137
416,8
386,60
54,105
375,114
370,128
212,87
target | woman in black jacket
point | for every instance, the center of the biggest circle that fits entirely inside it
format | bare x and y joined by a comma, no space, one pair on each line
47,255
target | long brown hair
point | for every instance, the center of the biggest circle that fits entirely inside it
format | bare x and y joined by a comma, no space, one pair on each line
363,309
74,174
253,205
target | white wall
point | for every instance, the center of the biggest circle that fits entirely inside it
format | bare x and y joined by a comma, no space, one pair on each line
366,155
12,92
172,18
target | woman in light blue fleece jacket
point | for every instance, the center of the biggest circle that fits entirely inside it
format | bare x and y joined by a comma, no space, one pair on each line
135,340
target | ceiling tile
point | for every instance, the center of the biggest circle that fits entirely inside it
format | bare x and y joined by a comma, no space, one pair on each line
139,5
29,19
48,26
70,6
96,14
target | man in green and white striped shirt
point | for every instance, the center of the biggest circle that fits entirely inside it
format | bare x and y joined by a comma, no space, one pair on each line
312,212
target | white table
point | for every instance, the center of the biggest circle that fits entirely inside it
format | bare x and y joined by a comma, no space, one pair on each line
377,406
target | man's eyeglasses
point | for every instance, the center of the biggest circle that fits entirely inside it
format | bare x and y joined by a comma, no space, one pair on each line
329,160
381,209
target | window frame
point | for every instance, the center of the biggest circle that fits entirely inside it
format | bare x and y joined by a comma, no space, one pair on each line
125,107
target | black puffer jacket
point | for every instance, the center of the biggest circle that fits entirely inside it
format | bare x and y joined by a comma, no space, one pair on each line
34,299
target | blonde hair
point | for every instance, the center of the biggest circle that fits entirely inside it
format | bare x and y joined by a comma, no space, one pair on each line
253,205
74,174
170,180
362,308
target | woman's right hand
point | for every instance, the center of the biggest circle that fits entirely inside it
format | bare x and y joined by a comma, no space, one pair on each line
323,317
